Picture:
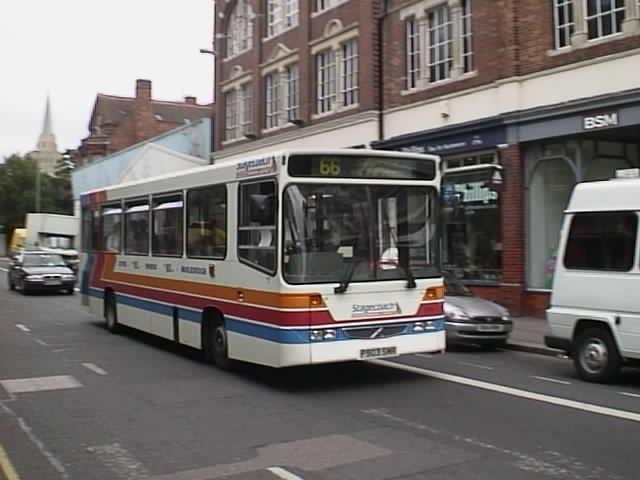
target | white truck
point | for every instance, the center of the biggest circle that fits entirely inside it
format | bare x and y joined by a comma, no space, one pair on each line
55,233
595,304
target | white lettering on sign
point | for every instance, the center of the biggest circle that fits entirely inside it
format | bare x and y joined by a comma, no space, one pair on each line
475,192
600,121
259,166
358,310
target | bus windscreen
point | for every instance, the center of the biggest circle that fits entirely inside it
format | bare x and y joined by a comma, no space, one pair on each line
362,166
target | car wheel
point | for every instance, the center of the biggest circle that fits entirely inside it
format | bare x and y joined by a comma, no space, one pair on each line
111,314
220,348
24,289
70,291
11,284
596,356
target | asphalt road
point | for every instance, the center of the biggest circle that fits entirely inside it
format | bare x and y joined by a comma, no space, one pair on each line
77,402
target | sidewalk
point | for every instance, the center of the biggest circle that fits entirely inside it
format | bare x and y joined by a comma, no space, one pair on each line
528,336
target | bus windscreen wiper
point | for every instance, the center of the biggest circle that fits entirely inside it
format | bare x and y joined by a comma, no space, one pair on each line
344,283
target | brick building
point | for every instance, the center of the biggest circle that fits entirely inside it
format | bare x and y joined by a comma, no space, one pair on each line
521,99
119,122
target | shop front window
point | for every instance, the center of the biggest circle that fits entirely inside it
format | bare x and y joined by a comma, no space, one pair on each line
549,191
471,220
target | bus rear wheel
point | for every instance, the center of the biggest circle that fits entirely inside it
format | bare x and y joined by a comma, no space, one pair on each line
217,350
110,314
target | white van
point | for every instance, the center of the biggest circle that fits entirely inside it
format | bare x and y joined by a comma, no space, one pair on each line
594,313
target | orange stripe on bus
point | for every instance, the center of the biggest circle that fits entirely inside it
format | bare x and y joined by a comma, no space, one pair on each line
254,297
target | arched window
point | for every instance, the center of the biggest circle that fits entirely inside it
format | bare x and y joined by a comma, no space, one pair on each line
550,188
240,29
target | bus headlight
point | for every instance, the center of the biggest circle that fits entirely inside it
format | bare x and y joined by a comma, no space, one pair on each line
320,335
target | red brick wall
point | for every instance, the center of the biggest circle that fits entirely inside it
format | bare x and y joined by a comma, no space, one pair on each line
536,39
310,28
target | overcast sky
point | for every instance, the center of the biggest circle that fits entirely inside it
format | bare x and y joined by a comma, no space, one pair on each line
74,49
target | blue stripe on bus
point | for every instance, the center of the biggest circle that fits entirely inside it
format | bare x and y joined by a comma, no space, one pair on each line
265,332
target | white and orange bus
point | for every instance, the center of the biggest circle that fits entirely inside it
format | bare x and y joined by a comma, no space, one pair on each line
294,258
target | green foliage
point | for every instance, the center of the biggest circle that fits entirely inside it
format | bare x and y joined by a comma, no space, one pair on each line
18,180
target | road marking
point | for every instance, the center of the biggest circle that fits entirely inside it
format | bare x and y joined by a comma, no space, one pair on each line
120,461
516,392
6,467
55,463
284,474
628,394
23,328
39,384
41,342
425,355
94,368
476,365
552,380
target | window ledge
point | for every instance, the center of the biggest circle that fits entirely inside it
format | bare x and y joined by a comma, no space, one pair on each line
233,57
232,141
276,128
439,83
318,116
281,32
322,12
591,43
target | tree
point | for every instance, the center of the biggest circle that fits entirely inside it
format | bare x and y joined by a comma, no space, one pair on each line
18,178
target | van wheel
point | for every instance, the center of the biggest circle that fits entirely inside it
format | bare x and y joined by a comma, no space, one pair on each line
596,356
220,348
111,315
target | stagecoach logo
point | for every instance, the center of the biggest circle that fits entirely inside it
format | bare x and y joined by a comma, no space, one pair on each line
375,309
259,166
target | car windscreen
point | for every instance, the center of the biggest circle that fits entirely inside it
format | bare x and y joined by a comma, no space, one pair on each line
43,260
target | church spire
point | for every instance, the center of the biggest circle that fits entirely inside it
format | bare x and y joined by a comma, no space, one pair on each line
46,127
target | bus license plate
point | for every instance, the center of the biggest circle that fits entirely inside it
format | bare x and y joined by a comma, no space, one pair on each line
490,328
378,352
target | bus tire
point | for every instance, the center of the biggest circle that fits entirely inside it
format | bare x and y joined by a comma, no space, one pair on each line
596,357
111,314
220,348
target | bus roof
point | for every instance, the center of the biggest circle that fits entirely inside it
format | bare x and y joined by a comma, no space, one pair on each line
229,166
607,195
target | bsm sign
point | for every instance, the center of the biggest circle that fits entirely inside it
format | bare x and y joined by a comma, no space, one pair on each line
600,121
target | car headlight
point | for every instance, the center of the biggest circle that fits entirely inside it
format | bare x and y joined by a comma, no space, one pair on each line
68,277
455,313
34,277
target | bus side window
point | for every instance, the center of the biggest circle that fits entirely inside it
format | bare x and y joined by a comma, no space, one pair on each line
207,222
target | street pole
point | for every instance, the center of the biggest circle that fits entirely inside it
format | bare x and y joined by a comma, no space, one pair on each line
37,188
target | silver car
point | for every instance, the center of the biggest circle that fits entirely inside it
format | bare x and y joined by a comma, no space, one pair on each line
472,319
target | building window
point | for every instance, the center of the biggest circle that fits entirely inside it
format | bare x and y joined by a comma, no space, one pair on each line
237,104
111,228
281,97
604,17
207,222
467,37
136,225
326,71
439,34
430,44
272,99
166,235
604,241
337,77
413,52
564,25
257,225
240,29
291,86
281,15
349,82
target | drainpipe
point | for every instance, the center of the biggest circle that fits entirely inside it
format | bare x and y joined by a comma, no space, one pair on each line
380,60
